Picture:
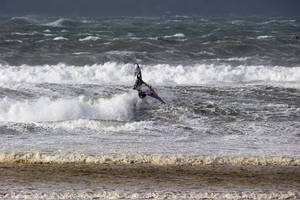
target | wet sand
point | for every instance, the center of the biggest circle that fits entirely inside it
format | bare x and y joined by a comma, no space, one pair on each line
279,180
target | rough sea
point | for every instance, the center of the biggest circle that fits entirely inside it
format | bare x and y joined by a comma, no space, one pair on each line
72,127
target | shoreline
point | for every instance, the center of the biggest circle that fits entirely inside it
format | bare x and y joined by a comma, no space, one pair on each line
144,179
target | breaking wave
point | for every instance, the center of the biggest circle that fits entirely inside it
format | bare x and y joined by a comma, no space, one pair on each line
89,38
63,23
22,21
119,107
161,74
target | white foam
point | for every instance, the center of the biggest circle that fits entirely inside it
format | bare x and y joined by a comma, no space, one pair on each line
238,59
151,194
23,34
159,160
108,73
13,41
161,74
130,126
89,38
60,38
211,74
177,35
61,23
56,23
81,53
79,123
119,107
264,37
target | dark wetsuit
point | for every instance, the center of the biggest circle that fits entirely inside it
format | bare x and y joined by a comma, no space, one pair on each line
138,82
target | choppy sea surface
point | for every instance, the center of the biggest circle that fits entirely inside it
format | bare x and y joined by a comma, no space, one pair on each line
71,127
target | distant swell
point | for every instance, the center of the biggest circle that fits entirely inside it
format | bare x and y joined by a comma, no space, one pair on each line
161,74
62,23
22,21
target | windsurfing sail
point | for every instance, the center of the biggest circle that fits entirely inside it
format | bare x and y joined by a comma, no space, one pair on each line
151,93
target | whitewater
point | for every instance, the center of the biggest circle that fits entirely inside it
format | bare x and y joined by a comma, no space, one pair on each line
72,127
161,74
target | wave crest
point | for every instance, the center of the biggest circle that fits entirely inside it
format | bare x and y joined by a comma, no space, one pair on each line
119,107
63,23
161,74
25,20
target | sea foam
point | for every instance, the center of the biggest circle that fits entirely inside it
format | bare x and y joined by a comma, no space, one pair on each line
119,107
159,160
180,195
89,38
112,73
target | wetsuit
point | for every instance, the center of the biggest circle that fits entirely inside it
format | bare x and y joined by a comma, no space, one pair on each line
138,82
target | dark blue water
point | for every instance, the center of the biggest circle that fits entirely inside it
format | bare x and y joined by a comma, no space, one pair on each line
36,40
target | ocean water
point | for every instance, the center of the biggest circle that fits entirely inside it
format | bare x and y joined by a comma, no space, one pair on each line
71,127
